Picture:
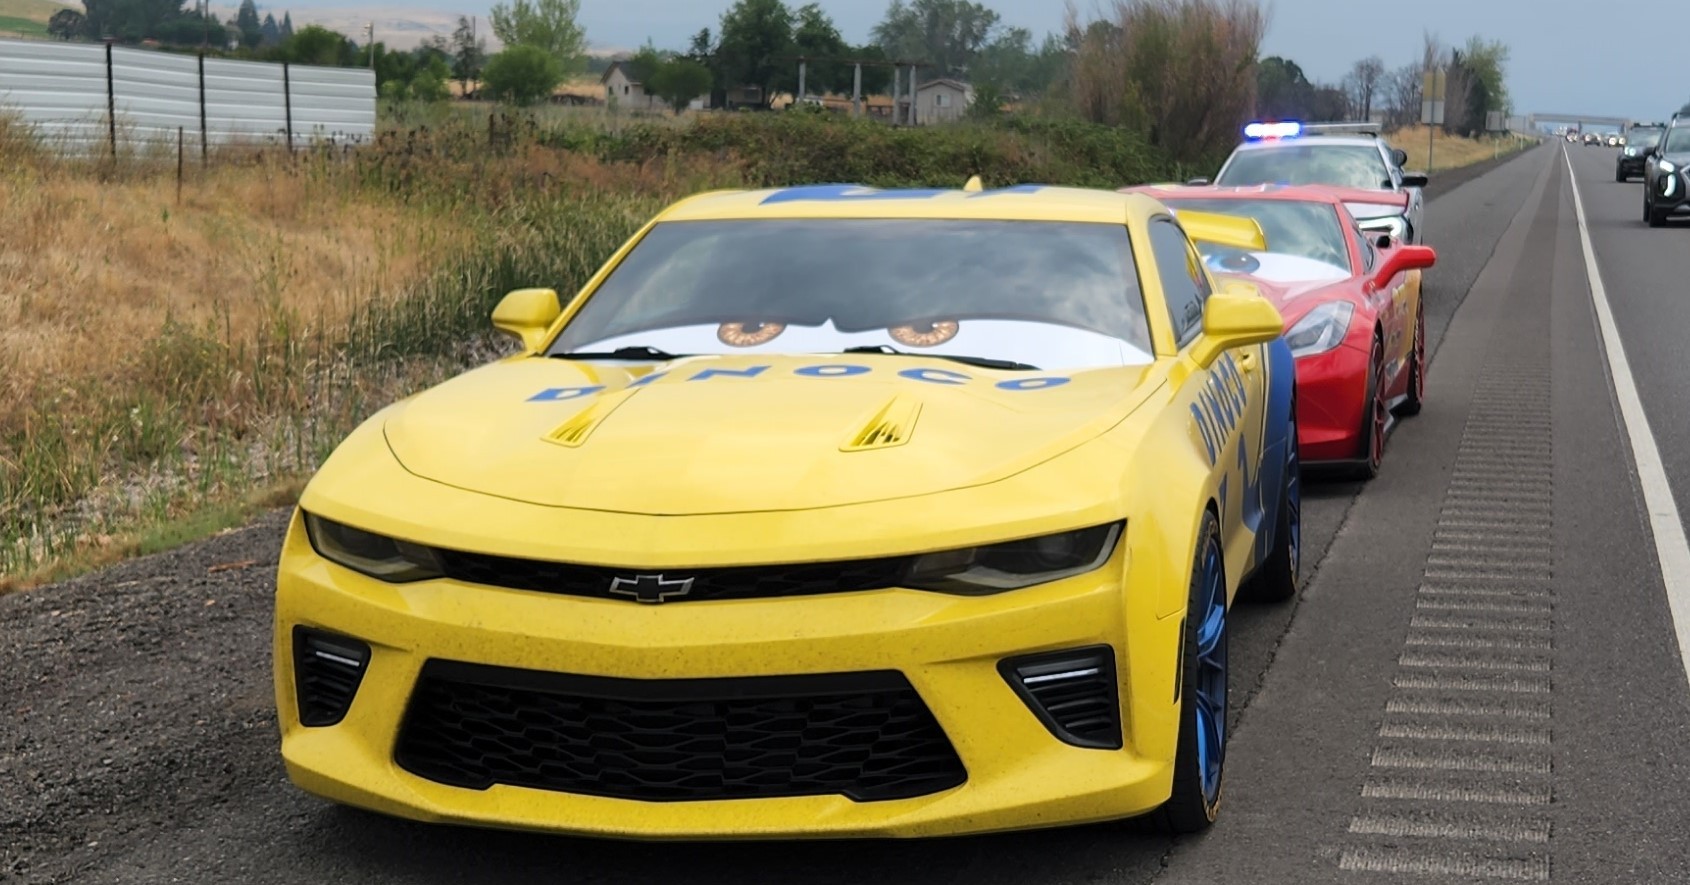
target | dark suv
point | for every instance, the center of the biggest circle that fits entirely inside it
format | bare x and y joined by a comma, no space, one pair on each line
1666,178
1632,158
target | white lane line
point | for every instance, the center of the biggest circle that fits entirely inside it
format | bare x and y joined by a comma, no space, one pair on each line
1671,547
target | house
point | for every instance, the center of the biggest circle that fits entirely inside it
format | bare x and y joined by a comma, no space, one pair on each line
623,92
939,101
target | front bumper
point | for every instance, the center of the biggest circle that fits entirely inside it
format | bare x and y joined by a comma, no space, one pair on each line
1331,404
1629,166
1671,193
1018,773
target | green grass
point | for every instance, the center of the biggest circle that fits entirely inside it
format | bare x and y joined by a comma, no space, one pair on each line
13,25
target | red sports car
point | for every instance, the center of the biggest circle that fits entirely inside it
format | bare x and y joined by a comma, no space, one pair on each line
1351,303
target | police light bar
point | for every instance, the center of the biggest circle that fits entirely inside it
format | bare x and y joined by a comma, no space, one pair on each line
1259,131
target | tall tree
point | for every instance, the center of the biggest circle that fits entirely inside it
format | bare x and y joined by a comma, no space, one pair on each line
317,45
678,81
270,33
946,34
1283,91
756,46
1488,62
248,23
547,24
522,74
287,25
814,36
469,52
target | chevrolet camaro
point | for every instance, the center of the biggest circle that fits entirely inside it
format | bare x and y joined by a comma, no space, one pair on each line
1351,302
822,511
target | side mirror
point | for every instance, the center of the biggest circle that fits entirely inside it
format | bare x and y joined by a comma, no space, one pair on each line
1197,182
1236,316
1414,179
1399,156
1400,260
526,315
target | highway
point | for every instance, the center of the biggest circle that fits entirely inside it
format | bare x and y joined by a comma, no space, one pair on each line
1480,682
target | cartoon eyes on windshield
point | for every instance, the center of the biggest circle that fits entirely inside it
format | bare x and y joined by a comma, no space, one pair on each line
924,334
748,334
1234,262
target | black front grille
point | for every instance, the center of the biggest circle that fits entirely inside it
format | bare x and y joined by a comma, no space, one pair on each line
867,736
326,672
749,582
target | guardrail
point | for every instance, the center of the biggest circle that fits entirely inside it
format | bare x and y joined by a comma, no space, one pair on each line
88,98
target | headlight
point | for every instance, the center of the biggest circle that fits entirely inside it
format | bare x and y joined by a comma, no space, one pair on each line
1320,329
1631,152
1395,225
378,556
995,568
1667,166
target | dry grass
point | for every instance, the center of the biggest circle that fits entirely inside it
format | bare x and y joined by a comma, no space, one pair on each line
1449,151
92,267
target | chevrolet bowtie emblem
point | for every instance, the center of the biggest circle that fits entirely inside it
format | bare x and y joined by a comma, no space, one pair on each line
651,588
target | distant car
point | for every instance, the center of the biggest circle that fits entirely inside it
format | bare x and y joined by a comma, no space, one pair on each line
1352,309
1666,185
1346,155
1632,158
1591,138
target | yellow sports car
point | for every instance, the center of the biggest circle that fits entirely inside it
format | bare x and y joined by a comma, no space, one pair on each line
823,511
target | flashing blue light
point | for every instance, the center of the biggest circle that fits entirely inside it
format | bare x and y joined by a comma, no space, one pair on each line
1260,131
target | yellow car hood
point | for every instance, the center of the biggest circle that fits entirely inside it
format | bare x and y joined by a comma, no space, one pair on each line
738,434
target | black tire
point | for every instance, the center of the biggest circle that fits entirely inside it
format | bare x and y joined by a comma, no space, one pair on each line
1277,579
1656,219
1191,808
1372,445
1619,176
1417,369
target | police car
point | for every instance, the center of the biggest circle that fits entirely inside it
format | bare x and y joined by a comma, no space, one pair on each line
1350,155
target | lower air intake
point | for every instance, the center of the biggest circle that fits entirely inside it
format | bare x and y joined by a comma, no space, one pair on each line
326,672
866,736
1073,693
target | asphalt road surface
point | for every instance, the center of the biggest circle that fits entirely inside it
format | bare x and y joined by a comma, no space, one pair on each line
1481,681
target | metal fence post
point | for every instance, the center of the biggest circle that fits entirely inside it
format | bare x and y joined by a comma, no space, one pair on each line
204,150
287,102
111,104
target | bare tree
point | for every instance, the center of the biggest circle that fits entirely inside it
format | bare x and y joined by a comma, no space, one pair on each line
1400,95
1363,84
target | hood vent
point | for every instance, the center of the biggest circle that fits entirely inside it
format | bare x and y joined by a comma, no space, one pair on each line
574,432
892,425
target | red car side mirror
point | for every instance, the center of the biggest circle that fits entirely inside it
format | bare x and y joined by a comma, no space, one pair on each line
1401,260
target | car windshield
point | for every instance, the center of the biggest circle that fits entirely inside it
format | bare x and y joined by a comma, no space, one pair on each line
1305,241
1043,294
1642,137
1677,140
1340,165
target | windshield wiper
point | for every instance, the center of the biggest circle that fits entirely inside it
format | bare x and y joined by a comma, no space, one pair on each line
983,362
642,352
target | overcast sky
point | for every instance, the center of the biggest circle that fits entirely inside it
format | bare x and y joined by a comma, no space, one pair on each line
1568,55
